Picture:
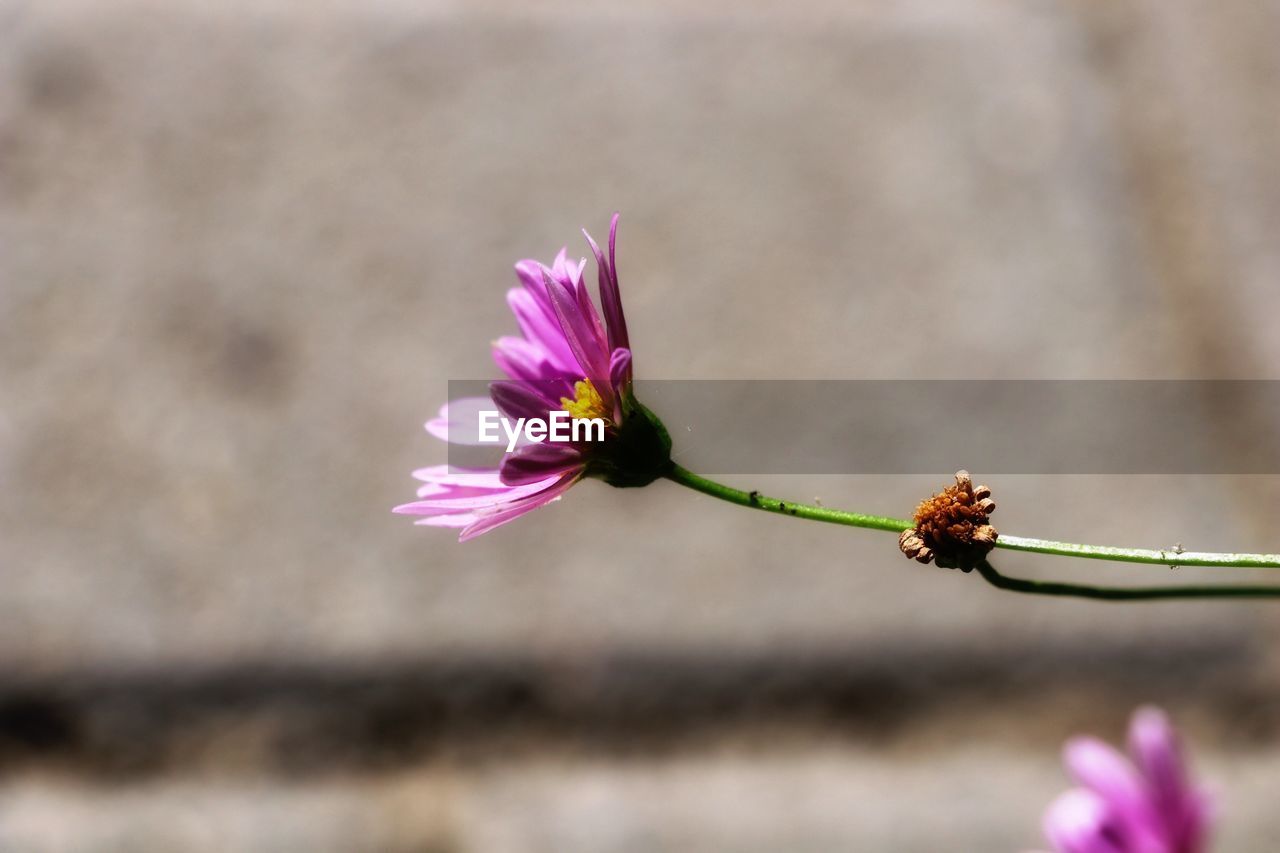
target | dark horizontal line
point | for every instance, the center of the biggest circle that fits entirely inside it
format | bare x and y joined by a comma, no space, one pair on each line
339,717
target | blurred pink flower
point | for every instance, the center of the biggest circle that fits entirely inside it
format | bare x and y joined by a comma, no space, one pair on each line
1143,803
565,359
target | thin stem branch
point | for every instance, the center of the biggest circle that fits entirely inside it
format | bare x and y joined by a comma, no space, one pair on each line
755,500
1166,557
1169,557
1149,593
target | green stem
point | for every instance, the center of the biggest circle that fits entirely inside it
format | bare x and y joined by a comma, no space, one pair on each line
758,501
1169,557
1131,593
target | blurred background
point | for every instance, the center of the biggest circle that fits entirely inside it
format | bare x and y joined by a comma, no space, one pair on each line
243,247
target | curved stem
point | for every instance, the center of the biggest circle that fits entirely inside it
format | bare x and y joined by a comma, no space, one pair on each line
1169,557
991,576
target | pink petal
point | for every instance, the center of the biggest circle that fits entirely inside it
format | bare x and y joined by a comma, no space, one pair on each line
564,271
441,490
511,512
587,311
1098,766
522,399
620,369
542,328
1154,746
1183,810
613,246
610,296
465,499
487,477
460,519
459,421
1102,769
539,461
585,341
529,271
523,361
1079,821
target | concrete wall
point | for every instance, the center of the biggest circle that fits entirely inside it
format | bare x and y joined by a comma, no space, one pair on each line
244,246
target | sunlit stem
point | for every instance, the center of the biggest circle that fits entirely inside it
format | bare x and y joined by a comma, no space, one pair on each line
1167,557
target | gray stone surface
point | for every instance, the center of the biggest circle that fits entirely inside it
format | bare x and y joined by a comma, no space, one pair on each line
244,251
244,246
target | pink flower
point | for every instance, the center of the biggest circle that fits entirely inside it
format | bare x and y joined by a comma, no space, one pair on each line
565,359
1143,803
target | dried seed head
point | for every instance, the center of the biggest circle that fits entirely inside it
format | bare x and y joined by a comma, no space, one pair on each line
985,535
951,527
913,546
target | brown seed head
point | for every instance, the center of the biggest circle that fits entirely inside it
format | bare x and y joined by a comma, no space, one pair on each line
913,546
951,527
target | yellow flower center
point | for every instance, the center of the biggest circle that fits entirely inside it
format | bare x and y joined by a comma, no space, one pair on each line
586,403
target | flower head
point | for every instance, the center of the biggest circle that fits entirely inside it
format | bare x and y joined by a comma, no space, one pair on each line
1143,803
564,359
952,526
